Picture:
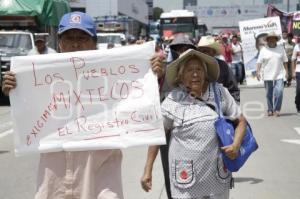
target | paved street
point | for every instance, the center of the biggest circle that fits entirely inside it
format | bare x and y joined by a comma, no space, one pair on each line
271,173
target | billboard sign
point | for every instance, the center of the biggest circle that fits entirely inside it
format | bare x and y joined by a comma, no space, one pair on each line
253,33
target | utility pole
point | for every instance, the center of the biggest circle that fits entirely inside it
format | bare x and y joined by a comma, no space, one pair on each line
288,6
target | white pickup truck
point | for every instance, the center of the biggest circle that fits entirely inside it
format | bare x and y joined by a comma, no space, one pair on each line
14,43
113,38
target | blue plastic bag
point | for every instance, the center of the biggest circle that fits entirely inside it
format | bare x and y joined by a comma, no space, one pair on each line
225,132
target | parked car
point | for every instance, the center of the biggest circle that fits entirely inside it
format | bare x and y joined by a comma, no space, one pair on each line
103,39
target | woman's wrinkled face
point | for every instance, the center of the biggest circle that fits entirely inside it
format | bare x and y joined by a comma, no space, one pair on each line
193,76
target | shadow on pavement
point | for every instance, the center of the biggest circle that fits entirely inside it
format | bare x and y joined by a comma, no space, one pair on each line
287,114
2,152
245,179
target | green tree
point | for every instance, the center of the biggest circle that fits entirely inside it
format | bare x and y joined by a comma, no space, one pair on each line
156,13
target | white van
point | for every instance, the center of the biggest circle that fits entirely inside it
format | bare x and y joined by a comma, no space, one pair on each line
105,38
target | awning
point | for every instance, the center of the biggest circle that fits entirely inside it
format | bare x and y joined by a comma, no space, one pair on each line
46,12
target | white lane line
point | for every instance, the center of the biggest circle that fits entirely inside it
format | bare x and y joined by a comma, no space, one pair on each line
293,141
5,133
298,130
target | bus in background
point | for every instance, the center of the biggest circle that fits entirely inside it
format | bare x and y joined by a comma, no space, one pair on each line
178,21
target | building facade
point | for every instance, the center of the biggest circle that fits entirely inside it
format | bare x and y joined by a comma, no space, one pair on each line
132,13
219,15
150,9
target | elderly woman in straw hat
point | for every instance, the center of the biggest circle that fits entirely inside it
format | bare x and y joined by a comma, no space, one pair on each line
272,65
195,163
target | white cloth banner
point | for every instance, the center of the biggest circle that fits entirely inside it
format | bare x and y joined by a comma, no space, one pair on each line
252,35
86,100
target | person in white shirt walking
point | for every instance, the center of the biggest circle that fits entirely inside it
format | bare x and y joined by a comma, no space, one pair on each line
272,60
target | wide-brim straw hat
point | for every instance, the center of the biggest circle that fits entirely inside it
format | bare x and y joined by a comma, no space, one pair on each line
211,64
272,35
209,42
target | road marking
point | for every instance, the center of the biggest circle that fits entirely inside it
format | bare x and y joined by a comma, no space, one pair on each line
298,130
5,126
5,133
293,141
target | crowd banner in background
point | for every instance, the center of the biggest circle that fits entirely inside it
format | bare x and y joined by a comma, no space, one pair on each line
253,33
289,21
285,18
296,24
86,100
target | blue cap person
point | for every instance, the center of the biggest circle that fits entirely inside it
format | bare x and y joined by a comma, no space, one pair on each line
78,31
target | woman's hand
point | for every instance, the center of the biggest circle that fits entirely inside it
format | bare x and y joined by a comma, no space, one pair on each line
258,67
231,151
9,82
146,180
157,65
258,75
